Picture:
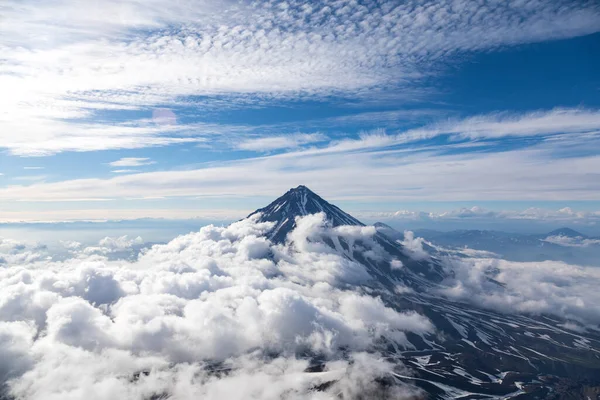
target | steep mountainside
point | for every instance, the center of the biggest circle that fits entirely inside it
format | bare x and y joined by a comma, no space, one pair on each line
301,201
474,353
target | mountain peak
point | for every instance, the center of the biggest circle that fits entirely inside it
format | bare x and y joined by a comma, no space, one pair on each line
301,188
298,202
301,201
566,232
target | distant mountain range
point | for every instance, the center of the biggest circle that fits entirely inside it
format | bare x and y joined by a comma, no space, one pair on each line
562,244
474,353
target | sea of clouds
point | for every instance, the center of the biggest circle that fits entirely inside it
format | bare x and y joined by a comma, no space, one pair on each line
545,287
225,313
219,313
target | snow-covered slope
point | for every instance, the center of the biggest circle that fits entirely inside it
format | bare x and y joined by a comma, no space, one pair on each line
474,352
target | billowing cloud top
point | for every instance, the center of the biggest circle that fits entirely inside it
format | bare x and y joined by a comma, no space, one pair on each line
220,298
223,307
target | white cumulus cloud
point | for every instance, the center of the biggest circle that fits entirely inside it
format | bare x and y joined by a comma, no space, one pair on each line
546,287
222,299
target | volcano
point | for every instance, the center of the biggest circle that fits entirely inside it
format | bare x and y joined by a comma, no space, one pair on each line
299,202
475,353
417,274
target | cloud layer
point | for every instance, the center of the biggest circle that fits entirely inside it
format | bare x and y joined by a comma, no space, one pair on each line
548,287
221,299
223,308
77,63
568,241
565,215
365,169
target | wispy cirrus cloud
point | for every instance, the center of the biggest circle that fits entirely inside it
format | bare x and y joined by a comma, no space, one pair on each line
571,126
365,169
269,143
129,55
132,162
493,126
35,136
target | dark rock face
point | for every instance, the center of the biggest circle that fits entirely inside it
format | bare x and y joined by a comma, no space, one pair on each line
474,353
298,202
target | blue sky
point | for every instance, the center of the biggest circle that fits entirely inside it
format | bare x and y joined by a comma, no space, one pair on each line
211,109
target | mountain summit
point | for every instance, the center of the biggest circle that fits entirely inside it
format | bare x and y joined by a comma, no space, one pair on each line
566,232
298,202
302,201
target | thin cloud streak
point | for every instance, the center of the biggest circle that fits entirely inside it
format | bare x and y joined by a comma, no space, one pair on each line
132,162
270,143
494,126
565,215
377,175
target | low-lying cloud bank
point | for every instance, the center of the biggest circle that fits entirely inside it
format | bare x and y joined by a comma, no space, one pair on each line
224,313
547,287
568,241
564,215
219,313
